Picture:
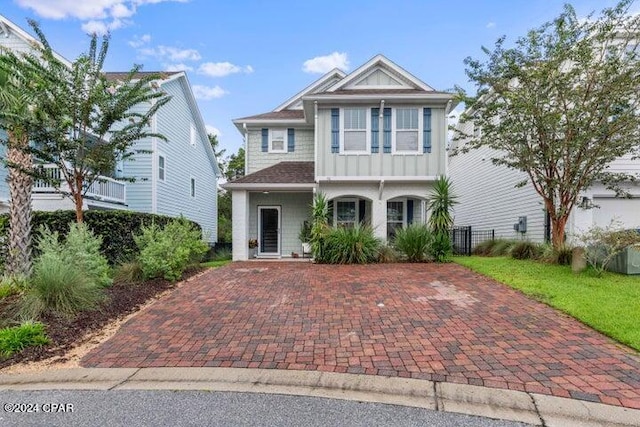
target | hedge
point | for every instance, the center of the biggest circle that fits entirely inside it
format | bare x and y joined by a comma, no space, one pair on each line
116,228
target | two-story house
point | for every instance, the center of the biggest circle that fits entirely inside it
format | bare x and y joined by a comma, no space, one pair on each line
173,177
372,142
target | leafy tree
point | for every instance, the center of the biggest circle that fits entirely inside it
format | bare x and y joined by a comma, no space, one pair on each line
235,165
560,105
224,216
217,151
87,121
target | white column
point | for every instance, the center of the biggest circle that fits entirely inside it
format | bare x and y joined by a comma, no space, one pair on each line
240,225
379,218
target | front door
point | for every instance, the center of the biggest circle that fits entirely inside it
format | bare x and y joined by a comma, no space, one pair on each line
269,230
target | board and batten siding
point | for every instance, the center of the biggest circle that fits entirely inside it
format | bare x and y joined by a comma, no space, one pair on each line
184,161
488,198
257,159
294,210
382,164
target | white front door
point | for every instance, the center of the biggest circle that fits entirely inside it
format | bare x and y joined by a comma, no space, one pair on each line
269,230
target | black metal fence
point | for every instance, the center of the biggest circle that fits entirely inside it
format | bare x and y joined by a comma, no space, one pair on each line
464,239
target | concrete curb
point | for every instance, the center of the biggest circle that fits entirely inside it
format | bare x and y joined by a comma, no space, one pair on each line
531,408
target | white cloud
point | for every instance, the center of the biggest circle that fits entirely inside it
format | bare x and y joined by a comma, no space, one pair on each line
491,25
138,42
221,69
95,14
213,130
207,93
171,53
178,67
324,64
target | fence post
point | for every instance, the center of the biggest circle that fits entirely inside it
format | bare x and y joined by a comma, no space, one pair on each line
469,241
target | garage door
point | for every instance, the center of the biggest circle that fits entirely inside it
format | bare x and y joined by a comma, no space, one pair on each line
625,210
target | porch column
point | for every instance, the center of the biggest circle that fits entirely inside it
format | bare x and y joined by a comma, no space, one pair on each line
240,224
379,218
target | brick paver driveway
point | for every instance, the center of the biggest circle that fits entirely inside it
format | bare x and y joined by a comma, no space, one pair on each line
436,322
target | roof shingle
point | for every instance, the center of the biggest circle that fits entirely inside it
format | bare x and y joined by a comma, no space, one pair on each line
281,173
277,115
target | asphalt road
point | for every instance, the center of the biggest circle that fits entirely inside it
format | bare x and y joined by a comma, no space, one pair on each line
198,408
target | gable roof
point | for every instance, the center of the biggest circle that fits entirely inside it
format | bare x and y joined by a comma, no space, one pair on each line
7,27
319,85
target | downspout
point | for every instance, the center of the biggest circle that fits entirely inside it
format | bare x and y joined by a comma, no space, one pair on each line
447,110
381,136
315,146
154,164
246,148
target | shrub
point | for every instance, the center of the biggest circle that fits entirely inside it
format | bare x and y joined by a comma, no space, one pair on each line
116,228
351,245
525,250
603,244
551,255
167,252
17,338
129,272
319,226
11,285
502,247
57,288
414,241
387,254
484,248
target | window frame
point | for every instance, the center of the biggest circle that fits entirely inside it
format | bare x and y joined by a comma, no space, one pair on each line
284,140
192,135
356,203
366,130
192,186
394,130
162,178
404,214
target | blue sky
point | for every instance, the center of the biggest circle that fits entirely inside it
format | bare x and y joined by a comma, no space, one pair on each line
247,57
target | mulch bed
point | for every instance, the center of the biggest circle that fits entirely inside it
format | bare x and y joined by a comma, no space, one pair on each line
65,334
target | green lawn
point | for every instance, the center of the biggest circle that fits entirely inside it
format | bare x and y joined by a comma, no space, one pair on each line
214,264
609,304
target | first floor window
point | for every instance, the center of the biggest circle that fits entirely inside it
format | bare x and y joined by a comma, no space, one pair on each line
355,129
277,141
395,218
161,168
193,187
407,129
345,213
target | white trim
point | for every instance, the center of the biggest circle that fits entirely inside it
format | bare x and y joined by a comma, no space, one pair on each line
279,209
285,142
258,186
402,200
353,200
394,131
367,131
164,167
356,84
387,179
335,73
376,62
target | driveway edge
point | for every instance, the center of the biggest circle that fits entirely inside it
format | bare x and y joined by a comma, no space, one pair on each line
509,405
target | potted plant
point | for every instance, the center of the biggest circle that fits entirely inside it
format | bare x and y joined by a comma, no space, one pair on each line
305,237
253,247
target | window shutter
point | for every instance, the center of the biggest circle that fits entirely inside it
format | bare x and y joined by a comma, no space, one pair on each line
386,129
335,130
291,135
265,140
375,126
409,212
361,208
426,137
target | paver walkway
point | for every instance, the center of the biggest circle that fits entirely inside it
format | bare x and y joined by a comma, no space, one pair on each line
427,321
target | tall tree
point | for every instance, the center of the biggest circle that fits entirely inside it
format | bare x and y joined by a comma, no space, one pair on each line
235,165
89,121
560,105
217,151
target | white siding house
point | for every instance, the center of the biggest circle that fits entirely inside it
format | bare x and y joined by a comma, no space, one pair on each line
174,177
372,141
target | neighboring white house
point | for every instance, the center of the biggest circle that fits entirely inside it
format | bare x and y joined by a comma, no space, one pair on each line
174,177
488,198
372,141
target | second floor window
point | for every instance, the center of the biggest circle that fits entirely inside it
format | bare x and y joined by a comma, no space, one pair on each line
277,141
355,130
407,130
161,168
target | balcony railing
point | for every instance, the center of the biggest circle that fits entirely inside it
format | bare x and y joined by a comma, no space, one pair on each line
104,188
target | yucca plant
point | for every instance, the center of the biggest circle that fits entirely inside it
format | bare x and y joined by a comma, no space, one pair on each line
319,226
441,201
414,242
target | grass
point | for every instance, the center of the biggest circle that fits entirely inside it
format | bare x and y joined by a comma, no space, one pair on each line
609,304
214,264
